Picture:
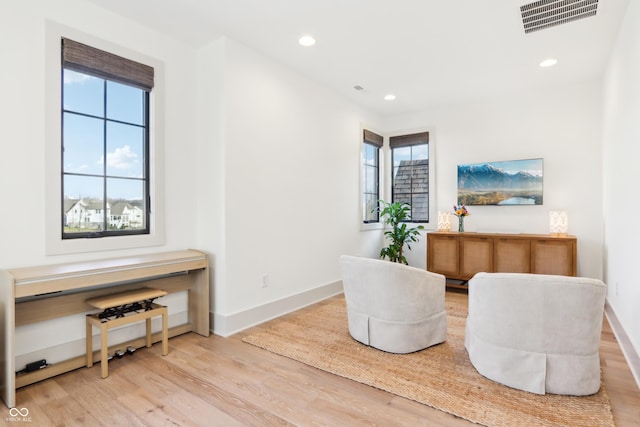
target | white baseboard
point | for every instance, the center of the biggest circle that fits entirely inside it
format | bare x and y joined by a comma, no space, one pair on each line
629,352
226,325
78,347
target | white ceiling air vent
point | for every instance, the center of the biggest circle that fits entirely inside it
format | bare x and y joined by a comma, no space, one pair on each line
548,13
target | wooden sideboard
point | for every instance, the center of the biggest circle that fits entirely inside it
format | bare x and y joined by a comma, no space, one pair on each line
461,255
37,294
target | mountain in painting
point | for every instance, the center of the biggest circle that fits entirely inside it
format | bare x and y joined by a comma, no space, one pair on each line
486,177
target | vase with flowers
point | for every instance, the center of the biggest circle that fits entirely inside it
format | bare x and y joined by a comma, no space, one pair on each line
461,212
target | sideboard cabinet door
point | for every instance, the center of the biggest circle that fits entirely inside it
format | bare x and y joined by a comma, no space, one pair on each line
476,255
553,257
443,254
512,255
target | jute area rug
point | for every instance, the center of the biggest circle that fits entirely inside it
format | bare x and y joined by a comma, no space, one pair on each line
441,376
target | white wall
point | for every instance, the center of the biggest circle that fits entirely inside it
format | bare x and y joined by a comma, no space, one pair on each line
561,125
285,199
270,161
621,154
24,116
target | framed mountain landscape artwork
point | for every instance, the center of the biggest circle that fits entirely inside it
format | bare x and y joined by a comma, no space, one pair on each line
514,182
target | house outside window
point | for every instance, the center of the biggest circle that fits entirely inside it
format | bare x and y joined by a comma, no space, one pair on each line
410,174
105,143
371,145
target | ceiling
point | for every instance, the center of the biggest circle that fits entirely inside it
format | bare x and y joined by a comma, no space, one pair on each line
426,52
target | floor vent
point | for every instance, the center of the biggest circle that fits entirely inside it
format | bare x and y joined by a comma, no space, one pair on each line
548,13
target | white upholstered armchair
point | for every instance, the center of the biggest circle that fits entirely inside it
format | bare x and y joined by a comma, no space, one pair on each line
537,333
393,307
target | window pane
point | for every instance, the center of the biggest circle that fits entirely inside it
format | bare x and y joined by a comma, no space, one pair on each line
83,93
370,155
83,187
402,178
83,204
369,208
125,155
420,207
400,155
371,179
125,189
83,146
420,176
419,152
125,103
126,197
402,198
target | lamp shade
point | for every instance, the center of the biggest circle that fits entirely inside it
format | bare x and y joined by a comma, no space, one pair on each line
444,221
558,223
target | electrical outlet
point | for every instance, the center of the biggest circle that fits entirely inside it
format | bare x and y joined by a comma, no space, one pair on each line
265,280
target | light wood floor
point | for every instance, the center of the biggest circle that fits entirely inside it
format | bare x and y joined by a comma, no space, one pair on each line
224,382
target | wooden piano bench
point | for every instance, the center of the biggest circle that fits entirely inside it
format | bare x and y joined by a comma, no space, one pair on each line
122,309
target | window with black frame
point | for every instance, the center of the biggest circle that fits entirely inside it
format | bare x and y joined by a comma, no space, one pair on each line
105,143
410,174
371,145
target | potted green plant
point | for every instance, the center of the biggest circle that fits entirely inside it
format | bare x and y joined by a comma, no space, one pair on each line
396,216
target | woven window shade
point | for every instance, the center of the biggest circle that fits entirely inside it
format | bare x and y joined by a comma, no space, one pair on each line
372,138
98,63
408,140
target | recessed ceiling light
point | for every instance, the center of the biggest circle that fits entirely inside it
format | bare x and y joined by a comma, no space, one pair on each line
549,62
389,97
307,41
